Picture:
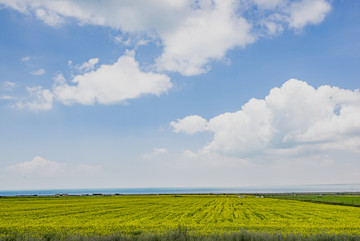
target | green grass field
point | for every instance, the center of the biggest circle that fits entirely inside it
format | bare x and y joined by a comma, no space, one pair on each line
202,214
349,200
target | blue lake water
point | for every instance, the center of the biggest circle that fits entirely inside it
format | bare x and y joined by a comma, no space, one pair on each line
215,190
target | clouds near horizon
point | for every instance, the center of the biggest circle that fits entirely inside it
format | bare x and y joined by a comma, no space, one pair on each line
41,167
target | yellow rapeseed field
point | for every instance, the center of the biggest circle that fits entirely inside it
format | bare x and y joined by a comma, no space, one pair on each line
206,214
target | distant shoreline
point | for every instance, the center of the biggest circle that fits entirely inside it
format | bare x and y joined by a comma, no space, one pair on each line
275,190
185,194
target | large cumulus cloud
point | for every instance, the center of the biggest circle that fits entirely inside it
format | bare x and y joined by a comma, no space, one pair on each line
292,120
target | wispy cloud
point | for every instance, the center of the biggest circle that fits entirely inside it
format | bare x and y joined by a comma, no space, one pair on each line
41,167
25,59
38,72
155,152
87,66
39,99
7,97
8,85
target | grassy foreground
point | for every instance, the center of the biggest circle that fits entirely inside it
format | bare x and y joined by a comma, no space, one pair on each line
153,217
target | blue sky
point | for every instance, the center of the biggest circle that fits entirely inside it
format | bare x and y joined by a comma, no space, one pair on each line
185,94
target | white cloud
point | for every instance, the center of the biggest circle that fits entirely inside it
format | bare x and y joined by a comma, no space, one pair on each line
25,59
7,97
8,85
39,99
155,152
132,40
206,35
279,14
121,40
308,12
38,72
49,17
41,167
110,84
160,150
190,124
38,167
87,66
269,4
193,33
293,120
